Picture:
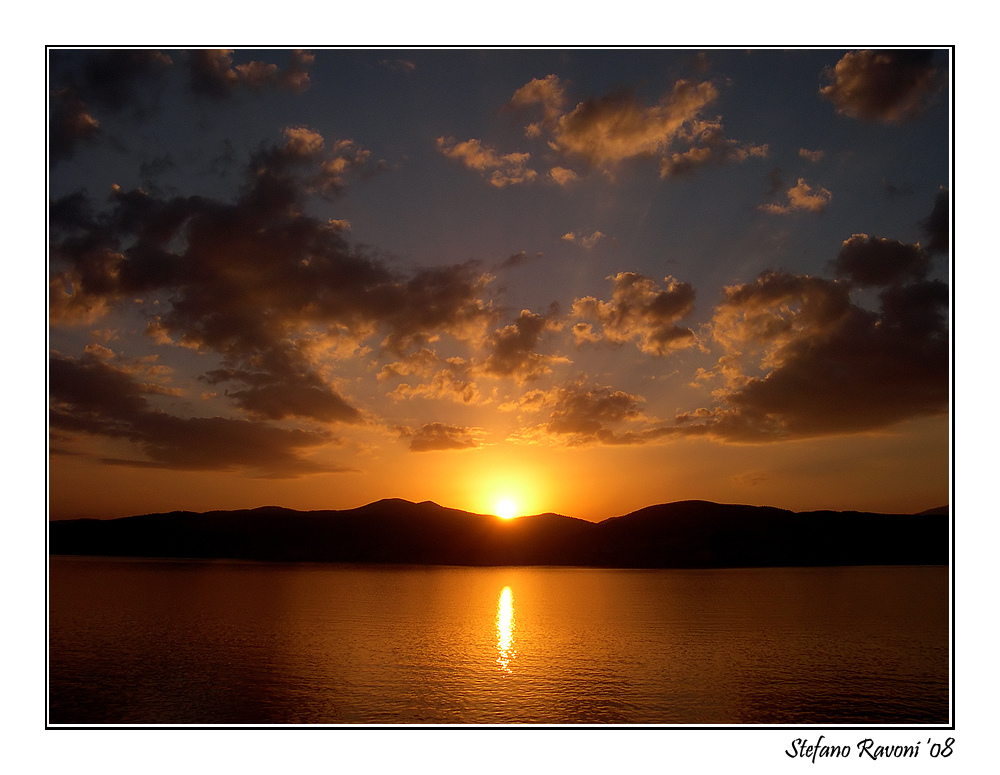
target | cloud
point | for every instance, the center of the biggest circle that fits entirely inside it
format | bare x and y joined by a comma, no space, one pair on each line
305,165
813,156
563,176
398,65
421,362
88,85
94,397
602,132
803,361
885,86
510,352
302,142
500,170
517,259
937,225
607,130
581,413
435,437
213,74
275,396
512,348
584,332
99,351
584,242
867,261
150,171
584,411
113,80
454,381
709,146
593,239
275,292
642,311
801,196
876,261
70,125
549,92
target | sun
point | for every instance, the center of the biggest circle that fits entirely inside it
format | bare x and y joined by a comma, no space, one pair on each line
506,508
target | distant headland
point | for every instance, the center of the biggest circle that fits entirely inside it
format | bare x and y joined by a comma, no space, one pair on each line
685,534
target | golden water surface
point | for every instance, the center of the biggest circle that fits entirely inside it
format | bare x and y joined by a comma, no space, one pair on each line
165,642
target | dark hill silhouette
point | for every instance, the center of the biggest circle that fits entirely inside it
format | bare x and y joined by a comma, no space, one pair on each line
686,534
938,510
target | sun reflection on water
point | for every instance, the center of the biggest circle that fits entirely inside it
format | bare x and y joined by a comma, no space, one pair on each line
505,630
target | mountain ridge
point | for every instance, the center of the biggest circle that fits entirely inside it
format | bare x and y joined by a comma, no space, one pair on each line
681,534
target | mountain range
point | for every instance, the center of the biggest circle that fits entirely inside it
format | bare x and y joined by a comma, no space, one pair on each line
685,534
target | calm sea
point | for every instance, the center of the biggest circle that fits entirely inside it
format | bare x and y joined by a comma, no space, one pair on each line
196,642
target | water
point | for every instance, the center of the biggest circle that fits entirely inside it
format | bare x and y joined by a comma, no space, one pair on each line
196,642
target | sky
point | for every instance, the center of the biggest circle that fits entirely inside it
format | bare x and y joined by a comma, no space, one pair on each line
582,281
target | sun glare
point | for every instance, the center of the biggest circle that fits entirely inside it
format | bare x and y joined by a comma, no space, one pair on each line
505,630
506,508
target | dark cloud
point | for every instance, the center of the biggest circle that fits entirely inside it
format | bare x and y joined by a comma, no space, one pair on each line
274,291
581,413
150,171
223,161
937,225
868,261
517,259
88,85
277,396
829,366
512,349
437,300
886,86
94,397
213,74
120,79
875,261
585,411
642,311
510,352
72,212
109,81
70,125
436,436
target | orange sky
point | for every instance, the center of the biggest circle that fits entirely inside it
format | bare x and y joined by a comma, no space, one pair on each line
583,281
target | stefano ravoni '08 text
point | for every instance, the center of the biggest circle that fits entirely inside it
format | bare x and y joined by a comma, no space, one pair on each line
868,748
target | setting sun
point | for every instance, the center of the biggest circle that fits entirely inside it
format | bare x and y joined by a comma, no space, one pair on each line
506,509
